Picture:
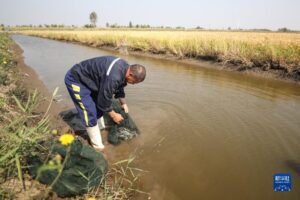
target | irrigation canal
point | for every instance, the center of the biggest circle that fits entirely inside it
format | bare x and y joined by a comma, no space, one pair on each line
206,133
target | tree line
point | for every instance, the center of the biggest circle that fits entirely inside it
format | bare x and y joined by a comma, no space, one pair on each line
93,17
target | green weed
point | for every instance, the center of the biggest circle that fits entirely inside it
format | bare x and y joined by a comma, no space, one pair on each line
19,92
2,103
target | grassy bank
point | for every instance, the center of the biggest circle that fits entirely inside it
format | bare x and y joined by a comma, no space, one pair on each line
23,127
279,52
20,127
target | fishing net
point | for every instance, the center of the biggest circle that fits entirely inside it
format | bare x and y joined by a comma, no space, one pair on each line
117,132
124,131
84,168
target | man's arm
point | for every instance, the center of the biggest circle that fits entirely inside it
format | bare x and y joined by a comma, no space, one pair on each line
120,94
104,102
124,104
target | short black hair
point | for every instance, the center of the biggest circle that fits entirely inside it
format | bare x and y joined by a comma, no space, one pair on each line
138,71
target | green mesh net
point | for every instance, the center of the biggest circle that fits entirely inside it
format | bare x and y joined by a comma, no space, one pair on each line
120,132
84,169
117,133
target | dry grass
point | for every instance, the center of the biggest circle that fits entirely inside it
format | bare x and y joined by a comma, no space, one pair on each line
251,49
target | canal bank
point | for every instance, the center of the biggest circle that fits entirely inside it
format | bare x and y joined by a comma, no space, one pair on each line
268,55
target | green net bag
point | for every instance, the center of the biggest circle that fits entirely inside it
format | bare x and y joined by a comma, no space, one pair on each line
84,169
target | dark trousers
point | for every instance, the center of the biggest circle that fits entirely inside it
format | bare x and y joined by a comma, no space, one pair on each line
83,100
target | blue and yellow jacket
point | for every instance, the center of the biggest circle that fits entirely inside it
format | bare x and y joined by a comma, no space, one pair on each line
104,76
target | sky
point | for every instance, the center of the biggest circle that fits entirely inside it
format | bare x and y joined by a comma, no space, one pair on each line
212,14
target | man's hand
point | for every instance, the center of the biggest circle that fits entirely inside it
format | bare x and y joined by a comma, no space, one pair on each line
125,108
124,105
116,117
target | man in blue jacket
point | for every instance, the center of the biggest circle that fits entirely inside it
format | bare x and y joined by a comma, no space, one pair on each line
92,84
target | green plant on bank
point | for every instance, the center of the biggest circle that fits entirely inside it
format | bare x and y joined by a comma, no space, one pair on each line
6,60
5,52
3,78
20,136
7,193
19,92
5,41
30,105
2,103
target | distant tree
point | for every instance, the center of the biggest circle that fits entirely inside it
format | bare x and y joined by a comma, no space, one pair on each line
260,30
93,18
130,24
88,26
229,28
115,25
283,30
144,26
199,27
107,24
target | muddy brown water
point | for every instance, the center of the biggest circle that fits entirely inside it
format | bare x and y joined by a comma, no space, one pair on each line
206,133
